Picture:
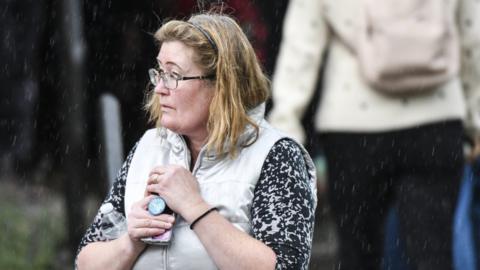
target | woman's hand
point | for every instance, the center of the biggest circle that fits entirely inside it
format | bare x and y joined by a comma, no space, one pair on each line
142,224
179,188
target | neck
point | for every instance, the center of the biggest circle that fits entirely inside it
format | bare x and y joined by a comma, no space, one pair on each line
194,146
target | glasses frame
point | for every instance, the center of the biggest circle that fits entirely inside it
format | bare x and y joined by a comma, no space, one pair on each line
153,73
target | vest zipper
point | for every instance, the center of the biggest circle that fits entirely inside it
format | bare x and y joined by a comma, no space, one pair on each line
198,161
188,159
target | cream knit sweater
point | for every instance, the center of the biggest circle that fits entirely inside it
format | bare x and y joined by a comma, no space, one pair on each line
348,104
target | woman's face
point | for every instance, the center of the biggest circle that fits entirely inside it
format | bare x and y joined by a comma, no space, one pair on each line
185,109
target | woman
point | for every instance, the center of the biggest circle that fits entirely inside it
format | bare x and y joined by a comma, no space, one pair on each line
244,194
381,150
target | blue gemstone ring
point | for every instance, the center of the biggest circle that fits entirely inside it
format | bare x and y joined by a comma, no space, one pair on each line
156,206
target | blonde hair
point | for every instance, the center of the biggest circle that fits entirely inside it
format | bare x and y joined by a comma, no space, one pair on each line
240,84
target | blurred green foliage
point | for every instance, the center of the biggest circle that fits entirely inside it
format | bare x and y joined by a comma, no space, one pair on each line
31,230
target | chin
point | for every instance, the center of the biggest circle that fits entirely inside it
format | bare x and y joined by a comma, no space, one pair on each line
169,124
166,123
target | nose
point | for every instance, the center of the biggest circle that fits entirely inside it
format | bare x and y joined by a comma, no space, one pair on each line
161,89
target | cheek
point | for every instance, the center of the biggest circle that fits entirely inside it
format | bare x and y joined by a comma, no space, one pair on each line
198,107
194,107
202,106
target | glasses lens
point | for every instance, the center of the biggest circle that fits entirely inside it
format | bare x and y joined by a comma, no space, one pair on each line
153,74
170,81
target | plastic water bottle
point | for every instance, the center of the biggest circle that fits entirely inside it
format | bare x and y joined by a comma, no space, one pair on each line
113,223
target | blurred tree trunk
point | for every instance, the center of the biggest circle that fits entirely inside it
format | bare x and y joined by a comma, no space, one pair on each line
74,124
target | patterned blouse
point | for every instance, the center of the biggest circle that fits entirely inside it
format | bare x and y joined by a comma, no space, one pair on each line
282,208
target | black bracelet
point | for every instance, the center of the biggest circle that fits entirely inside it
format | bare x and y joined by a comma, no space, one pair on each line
202,216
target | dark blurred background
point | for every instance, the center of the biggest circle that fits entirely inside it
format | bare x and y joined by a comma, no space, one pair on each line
58,59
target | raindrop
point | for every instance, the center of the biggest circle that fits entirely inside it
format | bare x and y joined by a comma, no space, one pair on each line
94,13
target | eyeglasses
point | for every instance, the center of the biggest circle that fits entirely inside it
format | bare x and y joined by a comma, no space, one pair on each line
169,80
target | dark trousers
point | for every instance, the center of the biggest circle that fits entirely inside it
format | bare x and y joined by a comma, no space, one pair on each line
417,169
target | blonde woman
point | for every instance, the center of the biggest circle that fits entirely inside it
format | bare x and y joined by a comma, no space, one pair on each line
243,193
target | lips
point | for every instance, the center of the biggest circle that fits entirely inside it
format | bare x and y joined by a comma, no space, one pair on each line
166,106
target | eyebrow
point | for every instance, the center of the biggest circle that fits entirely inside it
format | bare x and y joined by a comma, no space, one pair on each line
170,63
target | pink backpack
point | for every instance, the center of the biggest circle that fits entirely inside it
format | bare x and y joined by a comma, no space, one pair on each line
408,46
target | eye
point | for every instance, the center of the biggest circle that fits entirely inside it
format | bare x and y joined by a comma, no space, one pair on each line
169,76
175,75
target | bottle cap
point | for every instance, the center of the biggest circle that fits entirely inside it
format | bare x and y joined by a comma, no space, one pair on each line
156,206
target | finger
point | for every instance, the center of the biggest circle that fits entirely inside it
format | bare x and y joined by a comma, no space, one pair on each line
165,218
154,178
153,189
158,170
152,223
142,204
139,214
140,223
152,186
145,232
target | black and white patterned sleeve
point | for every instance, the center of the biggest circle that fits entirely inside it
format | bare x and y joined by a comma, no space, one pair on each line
116,198
283,206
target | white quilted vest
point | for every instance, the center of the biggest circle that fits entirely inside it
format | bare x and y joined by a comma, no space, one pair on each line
225,183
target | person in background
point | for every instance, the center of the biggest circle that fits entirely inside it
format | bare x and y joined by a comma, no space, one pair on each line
243,193
381,150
